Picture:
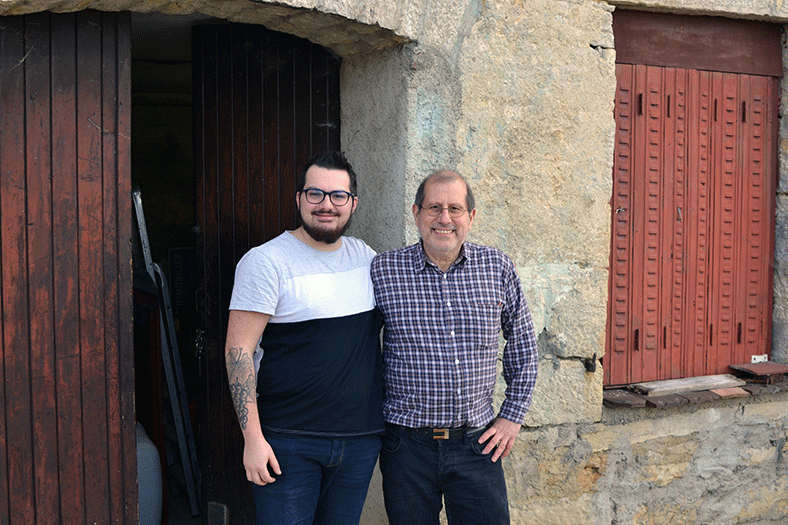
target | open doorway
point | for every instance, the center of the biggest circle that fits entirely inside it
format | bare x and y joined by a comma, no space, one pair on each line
162,170
216,167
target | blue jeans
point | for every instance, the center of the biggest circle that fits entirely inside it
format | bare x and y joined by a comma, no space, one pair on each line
418,472
324,480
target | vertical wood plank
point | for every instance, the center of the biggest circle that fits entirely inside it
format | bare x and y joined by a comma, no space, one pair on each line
639,157
747,241
722,247
108,126
618,332
125,335
256,141
648,213
757,236
114,185
320,104
674,346
700,107
66,286
227,168
205,436
91,267
639,168
272,137
288,132
331,65
302,76
226,160
217,423
40,265
8,26
241,138
771,181
667,221
18,448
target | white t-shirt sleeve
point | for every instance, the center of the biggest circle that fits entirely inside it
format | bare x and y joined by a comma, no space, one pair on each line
257,284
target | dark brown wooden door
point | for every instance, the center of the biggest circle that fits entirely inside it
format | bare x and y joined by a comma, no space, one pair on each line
264,103
693,220
67,435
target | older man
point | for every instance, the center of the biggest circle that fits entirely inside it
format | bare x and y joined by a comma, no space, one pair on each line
444,302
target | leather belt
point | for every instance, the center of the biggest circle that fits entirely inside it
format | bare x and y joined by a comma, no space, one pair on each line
442,433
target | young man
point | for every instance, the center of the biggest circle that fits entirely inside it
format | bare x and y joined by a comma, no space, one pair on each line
311,416
444,302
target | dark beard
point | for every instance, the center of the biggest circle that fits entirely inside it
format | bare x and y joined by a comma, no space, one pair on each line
326,236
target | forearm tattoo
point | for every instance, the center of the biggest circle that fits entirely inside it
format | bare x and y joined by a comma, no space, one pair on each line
240,372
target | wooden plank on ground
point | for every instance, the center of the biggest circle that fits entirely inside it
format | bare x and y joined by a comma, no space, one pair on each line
704,396
623,399
691,384
666,401
758,389
767,372
730,393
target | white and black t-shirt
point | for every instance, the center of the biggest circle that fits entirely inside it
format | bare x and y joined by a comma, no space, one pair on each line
320,371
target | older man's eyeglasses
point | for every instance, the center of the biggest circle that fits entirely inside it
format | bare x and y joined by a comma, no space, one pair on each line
337,197
435,210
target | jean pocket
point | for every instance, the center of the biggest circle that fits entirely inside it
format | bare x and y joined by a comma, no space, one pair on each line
392,443
478,448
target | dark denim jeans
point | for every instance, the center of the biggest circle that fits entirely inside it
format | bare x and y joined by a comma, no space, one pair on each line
418,472
324,481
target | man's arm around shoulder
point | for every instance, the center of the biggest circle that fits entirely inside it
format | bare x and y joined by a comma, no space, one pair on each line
243,334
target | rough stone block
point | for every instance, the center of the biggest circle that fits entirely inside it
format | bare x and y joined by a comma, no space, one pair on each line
565,393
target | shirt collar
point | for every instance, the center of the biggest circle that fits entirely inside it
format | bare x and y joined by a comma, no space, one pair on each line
420,260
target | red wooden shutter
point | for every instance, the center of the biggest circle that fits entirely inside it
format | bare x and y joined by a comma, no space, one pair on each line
692,222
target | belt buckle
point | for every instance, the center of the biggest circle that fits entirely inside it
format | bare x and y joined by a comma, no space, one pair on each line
440,433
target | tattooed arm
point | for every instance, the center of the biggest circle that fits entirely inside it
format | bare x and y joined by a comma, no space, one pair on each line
243,333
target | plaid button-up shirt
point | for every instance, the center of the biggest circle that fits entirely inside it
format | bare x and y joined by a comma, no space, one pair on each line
441,337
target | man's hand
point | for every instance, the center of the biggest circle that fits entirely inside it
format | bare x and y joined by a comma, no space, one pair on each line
501,436
260,462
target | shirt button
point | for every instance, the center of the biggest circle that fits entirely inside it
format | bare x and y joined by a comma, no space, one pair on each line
459,391
456,361
448,303
452,332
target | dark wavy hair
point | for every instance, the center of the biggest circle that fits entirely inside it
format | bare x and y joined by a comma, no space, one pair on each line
331,160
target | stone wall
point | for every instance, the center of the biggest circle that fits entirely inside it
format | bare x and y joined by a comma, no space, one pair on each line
518,96
720,463
486,91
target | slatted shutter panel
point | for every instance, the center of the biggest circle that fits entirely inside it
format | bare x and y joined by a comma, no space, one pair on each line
690,282
264,103
67,428
698,211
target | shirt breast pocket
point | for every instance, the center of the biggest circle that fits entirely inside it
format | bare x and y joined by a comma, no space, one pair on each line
484,322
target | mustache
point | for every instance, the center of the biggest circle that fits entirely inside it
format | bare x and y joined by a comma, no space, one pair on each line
331,213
